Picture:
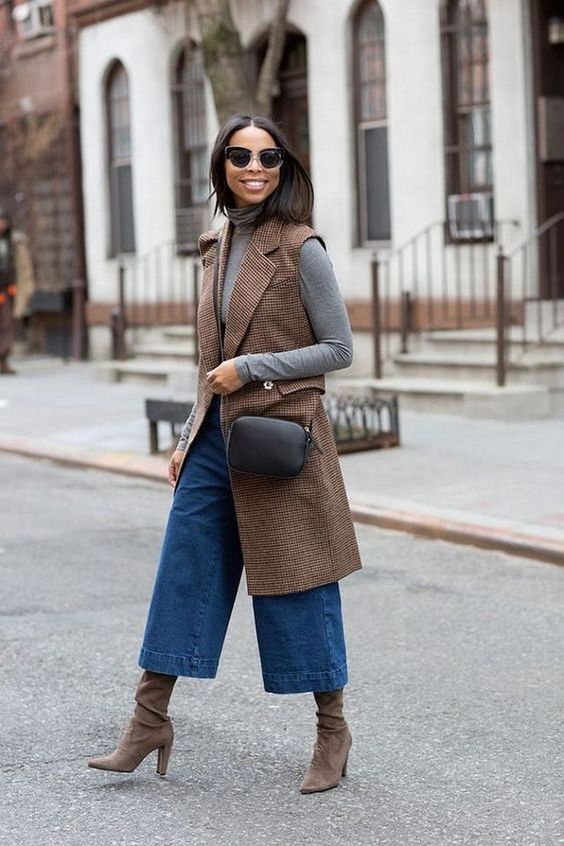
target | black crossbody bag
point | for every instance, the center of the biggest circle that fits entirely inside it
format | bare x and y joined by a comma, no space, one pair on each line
262,446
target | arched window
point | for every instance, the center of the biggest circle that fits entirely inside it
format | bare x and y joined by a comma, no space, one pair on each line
372,123
119,161
191,189
466,90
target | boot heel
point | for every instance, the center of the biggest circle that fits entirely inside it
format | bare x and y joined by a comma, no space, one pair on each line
345,766
162,758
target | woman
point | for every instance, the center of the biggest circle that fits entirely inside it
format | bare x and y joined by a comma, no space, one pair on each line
284,325
16,286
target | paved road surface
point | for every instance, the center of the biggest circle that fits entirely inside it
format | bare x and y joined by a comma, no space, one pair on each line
455,699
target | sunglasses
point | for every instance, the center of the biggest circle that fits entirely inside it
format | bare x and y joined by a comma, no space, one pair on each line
241,157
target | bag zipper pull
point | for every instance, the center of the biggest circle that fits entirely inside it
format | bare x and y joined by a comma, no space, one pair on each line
311,439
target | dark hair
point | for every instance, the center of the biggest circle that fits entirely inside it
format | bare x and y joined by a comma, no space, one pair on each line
293,198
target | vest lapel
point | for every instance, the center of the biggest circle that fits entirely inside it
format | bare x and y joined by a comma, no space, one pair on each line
254,274
207,325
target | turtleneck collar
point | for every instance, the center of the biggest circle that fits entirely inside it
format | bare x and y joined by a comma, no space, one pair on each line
245,217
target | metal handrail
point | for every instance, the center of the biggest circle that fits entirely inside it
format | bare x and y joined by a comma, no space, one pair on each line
153,290
536,234
416,237
465,293
442,223
468,292
550,264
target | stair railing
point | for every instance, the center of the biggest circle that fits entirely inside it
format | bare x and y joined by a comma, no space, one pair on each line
158,288
430,283
535,276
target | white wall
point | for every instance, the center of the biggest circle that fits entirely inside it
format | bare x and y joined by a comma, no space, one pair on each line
415,120
513,158
145,42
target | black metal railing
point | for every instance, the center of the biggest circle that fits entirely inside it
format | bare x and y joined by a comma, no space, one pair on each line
158,288
429,283
190,220
358,422
532,275
363,422
535,276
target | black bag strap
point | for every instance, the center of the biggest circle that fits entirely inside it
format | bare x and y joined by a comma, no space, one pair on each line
216,294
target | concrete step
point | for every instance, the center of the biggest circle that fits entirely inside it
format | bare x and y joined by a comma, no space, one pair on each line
458,397
168,351
546,311
178,333
170,373
534,368
484,340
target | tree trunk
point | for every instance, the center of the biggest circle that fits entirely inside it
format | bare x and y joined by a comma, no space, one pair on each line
268,78
224,60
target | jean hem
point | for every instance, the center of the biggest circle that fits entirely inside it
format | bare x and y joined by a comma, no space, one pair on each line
177,665
305,682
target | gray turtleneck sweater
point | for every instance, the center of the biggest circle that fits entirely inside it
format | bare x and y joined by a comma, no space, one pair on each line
322,301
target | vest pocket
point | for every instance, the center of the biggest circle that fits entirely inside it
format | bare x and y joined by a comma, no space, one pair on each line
283,282
288,386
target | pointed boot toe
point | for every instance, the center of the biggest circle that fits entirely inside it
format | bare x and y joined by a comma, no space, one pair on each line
329,761
137,742
148,730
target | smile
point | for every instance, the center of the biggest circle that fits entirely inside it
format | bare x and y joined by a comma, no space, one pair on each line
254,183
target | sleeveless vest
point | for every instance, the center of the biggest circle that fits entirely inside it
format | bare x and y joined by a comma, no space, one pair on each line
295,534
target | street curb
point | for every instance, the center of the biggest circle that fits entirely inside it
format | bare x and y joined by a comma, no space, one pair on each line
411,520
471,534
124,463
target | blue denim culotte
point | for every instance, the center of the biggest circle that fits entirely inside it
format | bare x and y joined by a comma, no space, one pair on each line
300,635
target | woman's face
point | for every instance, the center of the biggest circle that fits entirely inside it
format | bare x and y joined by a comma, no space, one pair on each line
253,183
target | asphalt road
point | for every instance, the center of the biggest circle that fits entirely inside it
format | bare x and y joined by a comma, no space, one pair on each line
455,697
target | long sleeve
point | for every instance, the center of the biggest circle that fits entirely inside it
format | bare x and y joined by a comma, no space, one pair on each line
326,310
327,314
186,429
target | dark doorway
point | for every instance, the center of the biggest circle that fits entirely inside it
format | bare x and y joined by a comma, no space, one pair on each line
548,51
290,106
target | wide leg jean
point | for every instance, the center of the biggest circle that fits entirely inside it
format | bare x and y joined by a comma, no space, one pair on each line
300,635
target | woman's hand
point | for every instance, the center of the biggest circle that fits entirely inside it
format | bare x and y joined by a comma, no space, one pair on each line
224,378
173,466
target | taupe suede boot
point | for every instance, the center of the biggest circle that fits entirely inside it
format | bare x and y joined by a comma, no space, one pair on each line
331,750
149,728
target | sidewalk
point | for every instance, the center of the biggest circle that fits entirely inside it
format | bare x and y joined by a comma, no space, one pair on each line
485,482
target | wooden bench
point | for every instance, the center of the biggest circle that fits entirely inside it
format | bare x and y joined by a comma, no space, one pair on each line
174,412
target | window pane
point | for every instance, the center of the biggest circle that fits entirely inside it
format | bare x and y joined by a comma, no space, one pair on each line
478,128
119,84
472,61
475,164
468,137
473,10
377,191
125,210
371,63
189,99
479,170
371,24
46,15
118,114
121,144
121,191
199,175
